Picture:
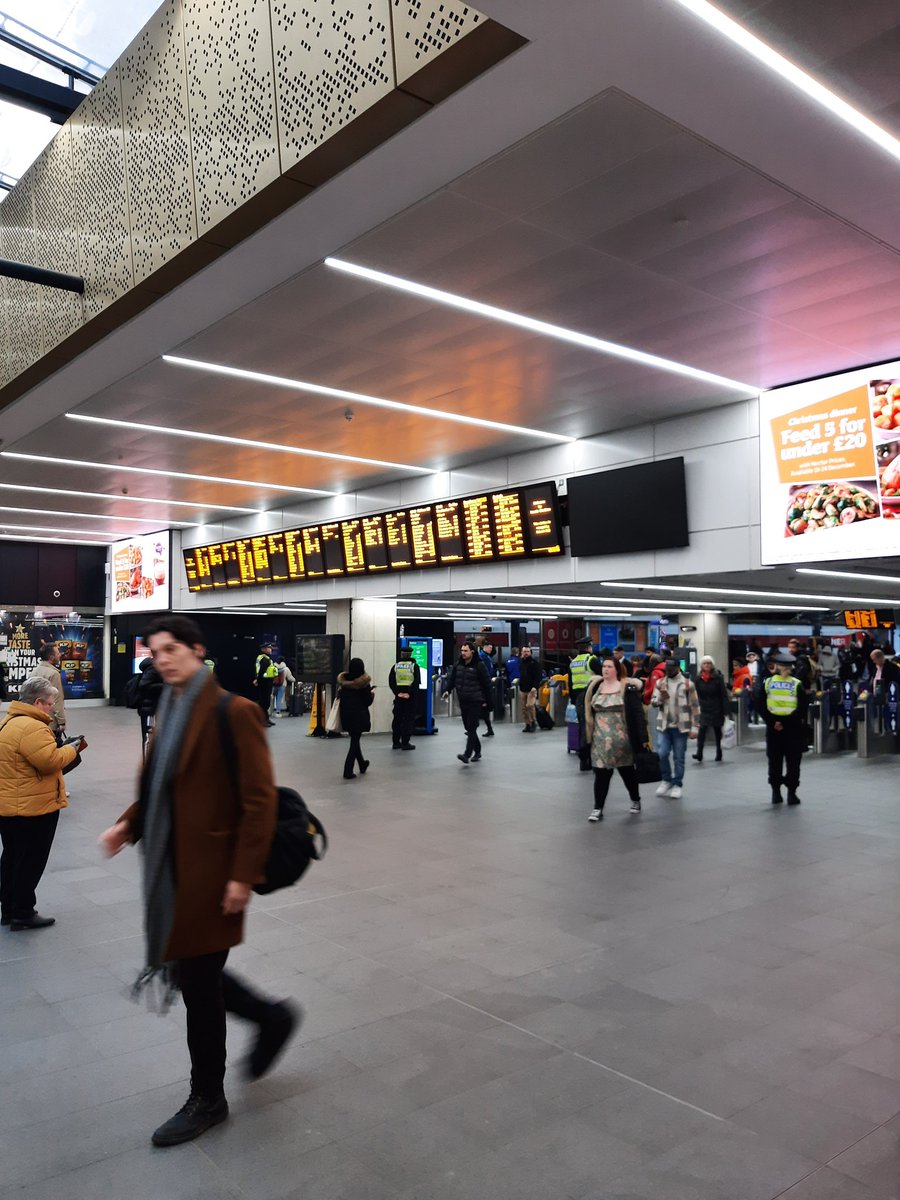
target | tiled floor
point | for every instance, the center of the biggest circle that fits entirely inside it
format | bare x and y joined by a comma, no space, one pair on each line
701,1003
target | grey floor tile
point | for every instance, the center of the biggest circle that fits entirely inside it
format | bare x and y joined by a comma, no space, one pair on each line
827,1184
812,1127
875,1160
853,1089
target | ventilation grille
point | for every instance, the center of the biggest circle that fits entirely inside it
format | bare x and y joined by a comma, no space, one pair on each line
231,88
101,198
332,61
157,143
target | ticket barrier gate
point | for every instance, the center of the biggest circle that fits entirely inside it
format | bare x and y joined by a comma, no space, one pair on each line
877,723
835,719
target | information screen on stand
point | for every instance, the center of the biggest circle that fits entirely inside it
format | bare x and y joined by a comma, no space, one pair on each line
516,523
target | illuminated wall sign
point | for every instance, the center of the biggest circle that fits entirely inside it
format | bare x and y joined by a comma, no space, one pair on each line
516,523
868,618
139,572
830,468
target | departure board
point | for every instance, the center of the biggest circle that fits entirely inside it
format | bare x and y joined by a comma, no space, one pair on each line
354,555
293,553
492,527
278,564
421,530
312,552
509,524
396,525
540,520
374,543
448,530
332,549
479,535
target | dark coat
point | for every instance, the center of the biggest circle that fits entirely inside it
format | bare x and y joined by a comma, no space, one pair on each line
223,827
529,674
470,681
356,696
635,717
713,697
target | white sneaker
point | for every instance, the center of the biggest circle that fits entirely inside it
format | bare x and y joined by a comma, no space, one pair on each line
596,815
663,789
674,793
635,807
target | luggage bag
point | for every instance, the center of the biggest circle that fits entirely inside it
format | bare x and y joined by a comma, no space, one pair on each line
543,718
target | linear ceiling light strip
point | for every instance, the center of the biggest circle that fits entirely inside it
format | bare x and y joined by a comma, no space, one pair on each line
559,332
224,440
792,74
227,508
55,512
79,462
671,587
317,389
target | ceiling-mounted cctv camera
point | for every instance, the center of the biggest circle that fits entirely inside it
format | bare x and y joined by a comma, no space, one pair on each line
348,414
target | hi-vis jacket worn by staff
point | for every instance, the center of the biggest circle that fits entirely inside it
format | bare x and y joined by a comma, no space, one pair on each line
580,672
268,672
782,696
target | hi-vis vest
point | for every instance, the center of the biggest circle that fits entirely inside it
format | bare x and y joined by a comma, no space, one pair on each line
581,672
782,695
405,673
271,670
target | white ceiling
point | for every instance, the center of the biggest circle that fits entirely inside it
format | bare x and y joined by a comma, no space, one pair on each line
627,175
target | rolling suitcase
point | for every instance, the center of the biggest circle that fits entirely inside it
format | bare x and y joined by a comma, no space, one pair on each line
573,738
543,718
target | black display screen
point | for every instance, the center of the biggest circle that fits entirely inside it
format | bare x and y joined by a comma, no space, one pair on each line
629,509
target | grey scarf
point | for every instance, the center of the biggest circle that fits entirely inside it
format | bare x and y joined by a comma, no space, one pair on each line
173,715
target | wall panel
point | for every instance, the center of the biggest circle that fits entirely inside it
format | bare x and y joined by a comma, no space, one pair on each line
423,31
23,301
101,196
157,142
56,236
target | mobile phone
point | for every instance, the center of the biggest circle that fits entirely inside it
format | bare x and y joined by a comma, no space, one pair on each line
74,741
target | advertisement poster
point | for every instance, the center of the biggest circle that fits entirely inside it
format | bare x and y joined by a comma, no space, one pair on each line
80,646
830,468
139,574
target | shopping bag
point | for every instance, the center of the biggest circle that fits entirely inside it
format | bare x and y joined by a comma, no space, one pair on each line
333,724
729,734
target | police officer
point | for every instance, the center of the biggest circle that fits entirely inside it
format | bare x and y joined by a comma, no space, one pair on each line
784,713
580,675
266,673
404,681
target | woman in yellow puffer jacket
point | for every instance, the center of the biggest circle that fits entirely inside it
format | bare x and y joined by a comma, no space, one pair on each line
31,794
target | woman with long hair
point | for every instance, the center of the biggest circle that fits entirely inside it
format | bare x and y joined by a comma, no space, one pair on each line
356,695
616,730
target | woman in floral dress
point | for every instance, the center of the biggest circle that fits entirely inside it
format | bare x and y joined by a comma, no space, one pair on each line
616,728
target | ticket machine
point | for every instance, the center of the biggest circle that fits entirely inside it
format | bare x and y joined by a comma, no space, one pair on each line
429,654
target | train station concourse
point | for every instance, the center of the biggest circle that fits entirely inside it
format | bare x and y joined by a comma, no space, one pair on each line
520,384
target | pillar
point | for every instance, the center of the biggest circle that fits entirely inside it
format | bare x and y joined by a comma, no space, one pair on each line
710,637
370,633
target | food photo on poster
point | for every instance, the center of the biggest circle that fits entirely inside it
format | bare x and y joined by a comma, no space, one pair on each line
79,643
139,574
830,468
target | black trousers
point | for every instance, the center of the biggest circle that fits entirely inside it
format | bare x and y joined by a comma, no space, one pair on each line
486,712
701,738
470,711
264,699
354,754
404,721
26,848
785,750
602,777
209,991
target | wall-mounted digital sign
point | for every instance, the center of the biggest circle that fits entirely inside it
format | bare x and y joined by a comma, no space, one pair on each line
830,468
515,523
139,573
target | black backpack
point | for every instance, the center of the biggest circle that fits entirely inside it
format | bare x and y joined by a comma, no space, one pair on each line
298,833
130,691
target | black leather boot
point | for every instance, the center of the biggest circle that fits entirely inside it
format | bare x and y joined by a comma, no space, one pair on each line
199,1114
793,798
776,796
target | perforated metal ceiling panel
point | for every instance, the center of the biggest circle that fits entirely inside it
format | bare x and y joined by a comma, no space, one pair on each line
157,142
231,85
332,61
424,30
23,299
101,199
56,236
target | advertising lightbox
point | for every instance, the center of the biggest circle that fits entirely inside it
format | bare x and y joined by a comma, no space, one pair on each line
830,468
139,574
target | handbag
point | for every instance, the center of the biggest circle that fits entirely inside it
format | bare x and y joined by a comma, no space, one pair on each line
646,765
333,724
729,734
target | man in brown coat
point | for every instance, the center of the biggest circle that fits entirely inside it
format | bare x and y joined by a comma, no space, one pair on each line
206,837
